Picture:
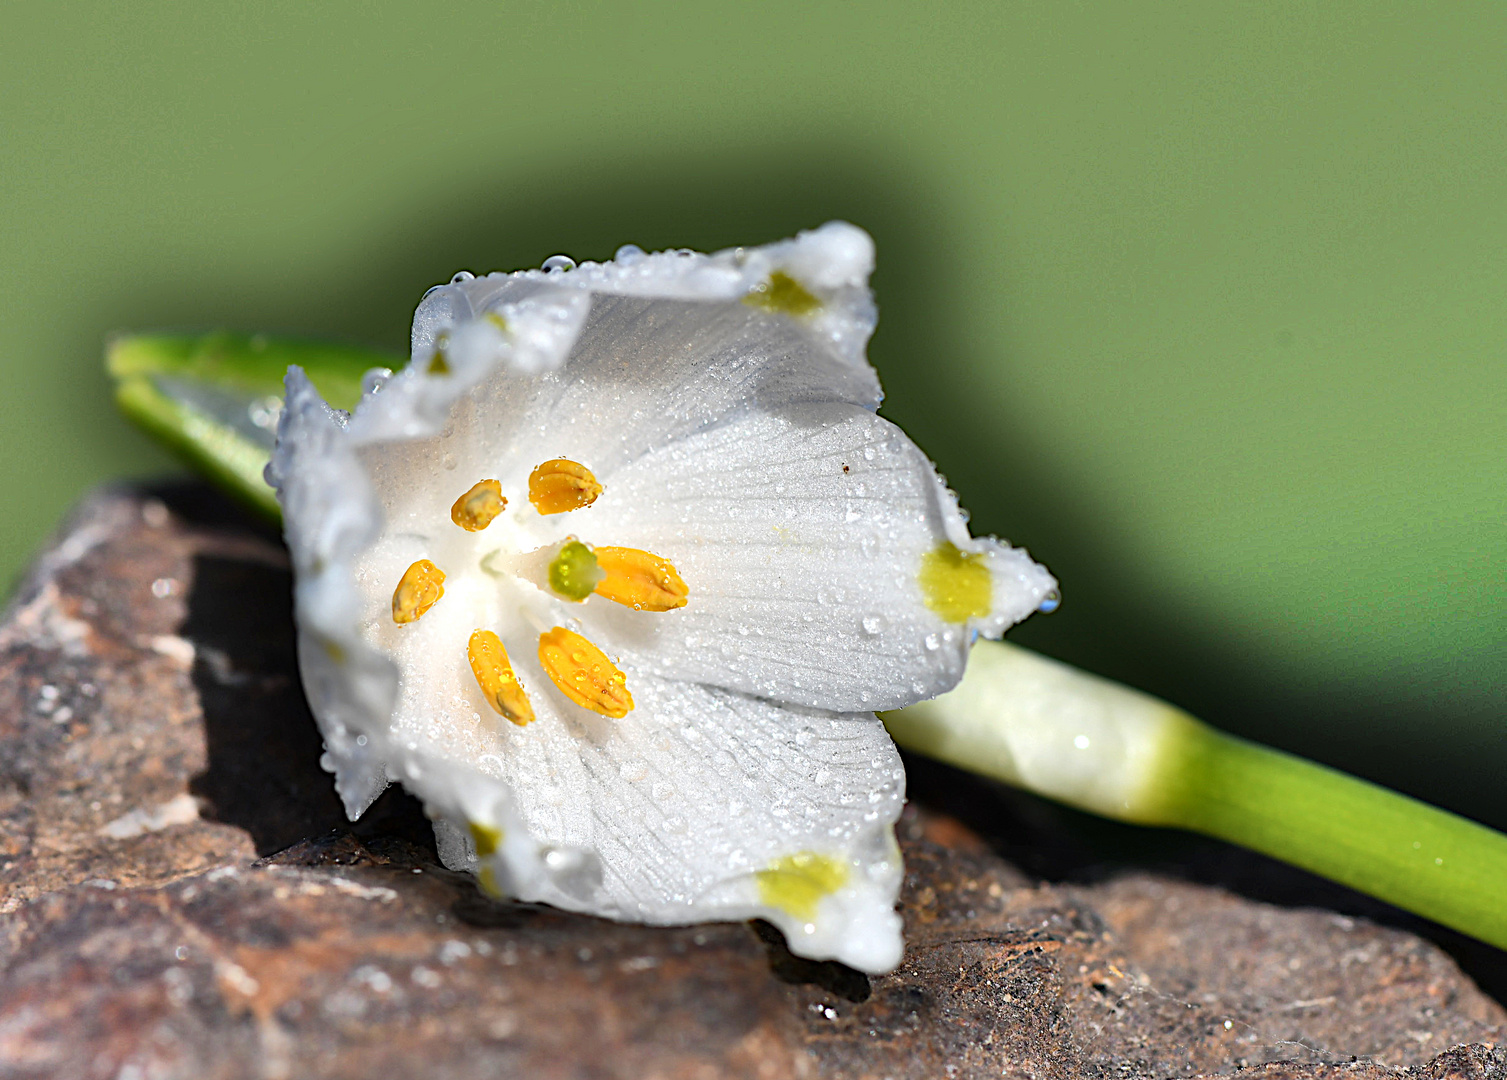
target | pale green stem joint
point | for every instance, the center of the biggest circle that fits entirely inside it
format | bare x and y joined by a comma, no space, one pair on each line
1098,746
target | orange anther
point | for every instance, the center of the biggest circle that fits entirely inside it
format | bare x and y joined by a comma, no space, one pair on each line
584,674
420,589
639,579
494,674
477,508
560,485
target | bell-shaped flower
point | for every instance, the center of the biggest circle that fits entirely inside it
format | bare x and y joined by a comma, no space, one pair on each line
614,574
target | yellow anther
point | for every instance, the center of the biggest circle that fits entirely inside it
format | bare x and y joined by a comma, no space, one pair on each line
639,579
560,485
477,508
420,589
494,674
584,674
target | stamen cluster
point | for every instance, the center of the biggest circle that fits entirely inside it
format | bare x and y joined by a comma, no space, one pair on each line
581,671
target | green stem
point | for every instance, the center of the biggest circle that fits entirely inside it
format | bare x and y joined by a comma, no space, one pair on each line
1376,841
194,393
1113,751
216,450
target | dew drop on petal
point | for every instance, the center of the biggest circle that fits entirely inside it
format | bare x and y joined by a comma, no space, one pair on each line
557,264
462,275
371,382
628,254
933,642
874,624
1050,602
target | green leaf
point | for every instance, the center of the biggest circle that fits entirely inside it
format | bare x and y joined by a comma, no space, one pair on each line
214,399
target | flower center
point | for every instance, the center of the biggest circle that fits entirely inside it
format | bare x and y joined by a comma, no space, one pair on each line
572,571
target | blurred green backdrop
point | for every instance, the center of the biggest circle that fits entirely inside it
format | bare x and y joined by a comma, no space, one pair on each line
1202,303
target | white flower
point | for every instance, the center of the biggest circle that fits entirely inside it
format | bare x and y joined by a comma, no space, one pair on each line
615,573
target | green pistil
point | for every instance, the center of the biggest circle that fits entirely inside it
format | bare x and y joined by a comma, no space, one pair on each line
573,573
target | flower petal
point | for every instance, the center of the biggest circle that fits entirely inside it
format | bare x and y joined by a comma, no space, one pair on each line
830,265
331,514
699,805
802,534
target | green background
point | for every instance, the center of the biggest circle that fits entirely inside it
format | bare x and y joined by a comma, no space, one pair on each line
1202,303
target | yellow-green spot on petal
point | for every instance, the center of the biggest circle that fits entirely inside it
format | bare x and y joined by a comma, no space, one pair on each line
488,839
438,365
497,321
796,883
783,294
574,573
333,650
956,584
488,881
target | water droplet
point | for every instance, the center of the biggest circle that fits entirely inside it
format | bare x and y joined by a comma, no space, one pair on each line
868,453
558,264
628,254
1050,602
874,624
933,642
264,412
804,736
371,382
462,275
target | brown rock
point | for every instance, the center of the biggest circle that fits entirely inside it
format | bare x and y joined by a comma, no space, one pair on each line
180,896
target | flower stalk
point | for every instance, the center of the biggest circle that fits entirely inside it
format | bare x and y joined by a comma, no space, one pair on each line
1098,746
214,399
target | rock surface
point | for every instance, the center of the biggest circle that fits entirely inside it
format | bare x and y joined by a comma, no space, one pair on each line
180,896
